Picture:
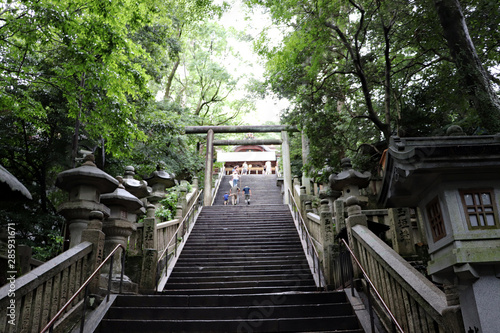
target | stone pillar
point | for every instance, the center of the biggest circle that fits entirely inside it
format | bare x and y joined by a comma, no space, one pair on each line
149,240
23,254
178,211
94,234
355,216
402,233
327,239
338,206
195,184
85,185
302,200
306,180
287,170
150,254
209,162
182,199
308,206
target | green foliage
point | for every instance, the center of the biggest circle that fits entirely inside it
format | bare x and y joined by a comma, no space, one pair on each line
35,228
79,75
50,249
359,72
168,206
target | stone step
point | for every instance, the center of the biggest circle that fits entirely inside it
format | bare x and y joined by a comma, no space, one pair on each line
235,243
190,272
291,283
236,299
226,313
341,324
229,292
194,278
241,261
243,268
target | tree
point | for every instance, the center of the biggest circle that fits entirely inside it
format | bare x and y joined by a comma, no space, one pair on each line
477,81
84,71
358,72
200,79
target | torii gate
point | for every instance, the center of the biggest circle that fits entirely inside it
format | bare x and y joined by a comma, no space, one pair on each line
211,130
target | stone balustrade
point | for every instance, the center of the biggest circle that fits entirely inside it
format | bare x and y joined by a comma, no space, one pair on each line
29,303
418,305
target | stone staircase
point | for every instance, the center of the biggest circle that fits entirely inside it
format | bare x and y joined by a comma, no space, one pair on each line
264,190
242,270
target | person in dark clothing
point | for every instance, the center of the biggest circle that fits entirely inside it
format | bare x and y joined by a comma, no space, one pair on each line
248,193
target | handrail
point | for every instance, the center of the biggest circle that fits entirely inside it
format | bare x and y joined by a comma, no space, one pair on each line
175,235
50,324
371,285
301,226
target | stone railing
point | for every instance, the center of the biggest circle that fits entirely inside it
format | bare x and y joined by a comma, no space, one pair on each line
418,305
313,223
164,233
313,257
29,302
173,247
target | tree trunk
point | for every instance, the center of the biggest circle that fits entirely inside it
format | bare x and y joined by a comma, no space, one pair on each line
475,78
170,78
76,134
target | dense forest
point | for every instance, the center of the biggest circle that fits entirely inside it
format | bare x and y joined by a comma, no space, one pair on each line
122,79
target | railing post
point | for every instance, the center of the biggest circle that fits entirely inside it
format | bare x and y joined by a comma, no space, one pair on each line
123,271
182,200
342,266
84,308
370,308
94,234
326,239
338,207
355,217
109,277
150,253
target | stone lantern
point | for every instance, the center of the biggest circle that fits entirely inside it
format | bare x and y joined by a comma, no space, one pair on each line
455,181
121,222
348,182
85,185
141,190
159,181
138,188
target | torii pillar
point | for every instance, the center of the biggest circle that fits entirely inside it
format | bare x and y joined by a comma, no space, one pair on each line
306,180
209,163
287,170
